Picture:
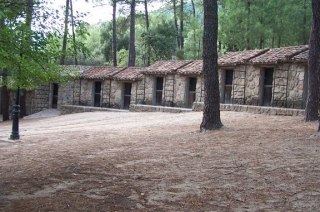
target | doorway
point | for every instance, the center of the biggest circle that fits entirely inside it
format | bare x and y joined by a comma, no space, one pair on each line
158,90
97,94
55,91
227,89
267,87
126,95
191,91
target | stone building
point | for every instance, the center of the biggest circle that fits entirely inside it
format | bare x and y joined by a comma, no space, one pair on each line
161,84
268,77
271,77
127,87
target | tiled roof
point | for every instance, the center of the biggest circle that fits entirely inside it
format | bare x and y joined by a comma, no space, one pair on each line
302,57
100,72
130,74
72,69
166,67
279,55
234,58
195,67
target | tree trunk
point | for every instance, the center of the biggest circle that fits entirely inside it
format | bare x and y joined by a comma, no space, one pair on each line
211,111
311,111
114,33
132,48
304,24
194,31
5,99
73,35
22,100
4,91
176,22
248,24
147,28
181,25
64,42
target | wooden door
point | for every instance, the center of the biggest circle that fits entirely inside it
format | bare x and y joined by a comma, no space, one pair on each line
192,91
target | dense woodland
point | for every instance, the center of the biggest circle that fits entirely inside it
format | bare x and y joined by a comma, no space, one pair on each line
175,30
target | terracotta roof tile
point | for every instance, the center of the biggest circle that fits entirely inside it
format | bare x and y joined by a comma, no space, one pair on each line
302,57
130,74
195,67
166,67
234,58
279,55
100,72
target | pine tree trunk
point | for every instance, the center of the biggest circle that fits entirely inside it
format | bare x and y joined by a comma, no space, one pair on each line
5,99
181,25
64,42
311,111
132,48
211,112
147,28
4,91
176,22
114,33
23,106
73,34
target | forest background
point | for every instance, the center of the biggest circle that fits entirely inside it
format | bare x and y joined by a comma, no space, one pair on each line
175,29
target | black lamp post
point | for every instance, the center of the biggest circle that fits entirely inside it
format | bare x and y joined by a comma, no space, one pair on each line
15,118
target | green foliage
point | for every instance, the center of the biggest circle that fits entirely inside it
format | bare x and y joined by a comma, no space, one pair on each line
247,24
29,48
123,57
106,38
159,42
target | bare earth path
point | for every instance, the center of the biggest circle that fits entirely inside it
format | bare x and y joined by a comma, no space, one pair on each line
108,161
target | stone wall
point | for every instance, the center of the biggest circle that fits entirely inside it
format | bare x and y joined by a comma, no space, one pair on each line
138,92
252,88
39,99
198,106
288,85
296,90
148,89
168,90
70,109
181,90
65,94
116,94
86,91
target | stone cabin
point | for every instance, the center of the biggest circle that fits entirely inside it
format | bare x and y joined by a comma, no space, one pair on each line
271,77
163,86
111,87
268,77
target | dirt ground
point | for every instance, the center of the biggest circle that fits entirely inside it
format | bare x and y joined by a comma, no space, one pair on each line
112,161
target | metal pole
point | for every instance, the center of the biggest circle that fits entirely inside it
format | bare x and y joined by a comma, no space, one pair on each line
15,118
